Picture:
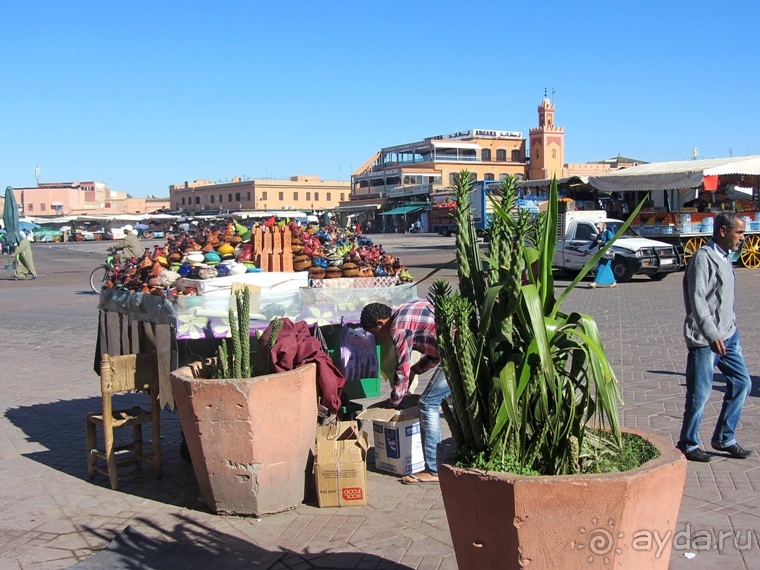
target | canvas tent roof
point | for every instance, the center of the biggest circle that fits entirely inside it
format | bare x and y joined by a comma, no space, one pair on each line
674,175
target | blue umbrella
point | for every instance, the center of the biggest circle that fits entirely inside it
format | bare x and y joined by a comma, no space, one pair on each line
28,226
10,222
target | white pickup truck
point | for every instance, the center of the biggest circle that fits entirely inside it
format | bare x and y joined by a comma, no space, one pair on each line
634,255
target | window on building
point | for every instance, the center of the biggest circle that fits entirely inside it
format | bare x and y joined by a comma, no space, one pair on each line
342,196
220,198
308,196
263,195
212,198
316,195
237,197
503,176
280,196
501,155
43,207
30,207
451,179
516,155
229,197
248,196
198,200
329,196
183,201
295,196
488,176
485,155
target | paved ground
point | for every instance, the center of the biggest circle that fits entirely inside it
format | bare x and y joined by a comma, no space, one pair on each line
51,516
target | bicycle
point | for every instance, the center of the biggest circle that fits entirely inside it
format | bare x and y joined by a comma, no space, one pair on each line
102,273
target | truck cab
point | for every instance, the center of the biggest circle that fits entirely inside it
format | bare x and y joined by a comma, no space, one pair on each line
634,255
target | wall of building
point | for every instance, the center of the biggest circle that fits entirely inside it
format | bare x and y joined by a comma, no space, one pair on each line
299,193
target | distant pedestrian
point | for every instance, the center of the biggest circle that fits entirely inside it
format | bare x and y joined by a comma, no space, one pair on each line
713,340
25,260
604,274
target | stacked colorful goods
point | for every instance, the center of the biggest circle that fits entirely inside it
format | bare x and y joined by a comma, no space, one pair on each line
330,254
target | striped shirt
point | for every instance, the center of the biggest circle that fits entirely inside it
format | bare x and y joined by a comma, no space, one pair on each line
412,328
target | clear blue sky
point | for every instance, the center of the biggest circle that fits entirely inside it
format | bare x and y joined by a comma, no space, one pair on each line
141,95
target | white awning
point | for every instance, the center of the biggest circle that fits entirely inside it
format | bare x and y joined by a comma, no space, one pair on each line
674,175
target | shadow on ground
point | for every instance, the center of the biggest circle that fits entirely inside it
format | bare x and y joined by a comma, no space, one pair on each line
192,545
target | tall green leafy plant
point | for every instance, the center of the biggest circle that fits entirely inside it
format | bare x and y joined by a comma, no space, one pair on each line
528,381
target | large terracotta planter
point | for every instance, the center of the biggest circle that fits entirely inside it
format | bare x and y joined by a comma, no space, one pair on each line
614,520
249,438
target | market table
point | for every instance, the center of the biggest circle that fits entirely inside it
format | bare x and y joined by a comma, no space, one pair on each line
132,322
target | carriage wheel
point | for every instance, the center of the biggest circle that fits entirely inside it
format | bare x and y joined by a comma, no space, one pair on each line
750,253
691,247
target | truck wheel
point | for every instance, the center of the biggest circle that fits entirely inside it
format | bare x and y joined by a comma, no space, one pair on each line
621,271
658,276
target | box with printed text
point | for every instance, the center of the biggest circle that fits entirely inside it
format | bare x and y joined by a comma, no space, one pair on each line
397,439
340,466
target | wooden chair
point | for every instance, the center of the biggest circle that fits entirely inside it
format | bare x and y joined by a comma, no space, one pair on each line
120,374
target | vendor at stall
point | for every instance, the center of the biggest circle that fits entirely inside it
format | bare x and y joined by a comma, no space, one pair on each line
699,203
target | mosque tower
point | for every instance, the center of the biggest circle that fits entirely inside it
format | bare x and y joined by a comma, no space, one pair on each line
547,145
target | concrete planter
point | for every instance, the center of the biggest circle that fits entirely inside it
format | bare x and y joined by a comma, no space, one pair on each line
614,520
249,438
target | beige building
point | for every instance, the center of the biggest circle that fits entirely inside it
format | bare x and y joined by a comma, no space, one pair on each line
307,193
51,199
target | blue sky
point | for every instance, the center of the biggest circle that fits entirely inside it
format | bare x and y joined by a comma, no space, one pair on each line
141,95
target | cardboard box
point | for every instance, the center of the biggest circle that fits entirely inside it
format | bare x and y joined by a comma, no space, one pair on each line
340,466
397,439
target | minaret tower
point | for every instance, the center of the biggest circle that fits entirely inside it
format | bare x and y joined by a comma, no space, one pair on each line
547,145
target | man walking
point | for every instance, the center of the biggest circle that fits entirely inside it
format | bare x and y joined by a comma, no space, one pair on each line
713,340
412,327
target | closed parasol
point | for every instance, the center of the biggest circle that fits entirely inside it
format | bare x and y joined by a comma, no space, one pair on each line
10,222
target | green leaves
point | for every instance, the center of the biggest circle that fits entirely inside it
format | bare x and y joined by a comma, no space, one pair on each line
531,379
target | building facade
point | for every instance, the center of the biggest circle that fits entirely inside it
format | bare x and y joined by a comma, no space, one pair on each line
299,193
415,170
51,199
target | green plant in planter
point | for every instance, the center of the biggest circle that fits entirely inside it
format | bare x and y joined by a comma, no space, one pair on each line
234,358
532,389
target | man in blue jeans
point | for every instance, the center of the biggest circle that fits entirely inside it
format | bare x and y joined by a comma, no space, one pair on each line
412,327
713,340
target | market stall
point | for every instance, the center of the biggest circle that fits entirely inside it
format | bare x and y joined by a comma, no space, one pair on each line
178,296
684,197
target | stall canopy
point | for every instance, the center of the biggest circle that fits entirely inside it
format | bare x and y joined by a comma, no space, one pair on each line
402,210
674,175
